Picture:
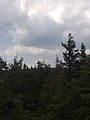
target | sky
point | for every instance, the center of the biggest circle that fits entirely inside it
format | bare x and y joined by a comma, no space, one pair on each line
34,29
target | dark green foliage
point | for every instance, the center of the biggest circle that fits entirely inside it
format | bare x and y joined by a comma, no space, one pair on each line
45,93
59,63
3,66
83,54
71,54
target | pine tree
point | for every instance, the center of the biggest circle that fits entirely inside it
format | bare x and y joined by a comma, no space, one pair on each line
85,88
3,65
59,63
71,54
83,54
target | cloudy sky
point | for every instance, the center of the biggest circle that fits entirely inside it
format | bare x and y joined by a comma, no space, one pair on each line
34,29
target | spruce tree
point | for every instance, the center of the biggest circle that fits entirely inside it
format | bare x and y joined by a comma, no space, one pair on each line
71,54
83,54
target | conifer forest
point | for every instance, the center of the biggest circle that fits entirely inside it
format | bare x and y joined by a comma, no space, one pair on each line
44,92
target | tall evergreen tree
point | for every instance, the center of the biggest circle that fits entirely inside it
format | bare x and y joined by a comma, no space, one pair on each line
83,54
71,54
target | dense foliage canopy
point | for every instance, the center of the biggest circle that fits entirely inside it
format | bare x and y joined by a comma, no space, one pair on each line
46,93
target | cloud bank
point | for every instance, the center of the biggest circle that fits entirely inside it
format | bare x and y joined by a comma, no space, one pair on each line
39,26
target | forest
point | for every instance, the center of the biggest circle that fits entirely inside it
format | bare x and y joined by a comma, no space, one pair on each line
44,92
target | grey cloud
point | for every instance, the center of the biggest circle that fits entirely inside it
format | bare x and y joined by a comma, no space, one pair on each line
41,30
47,35
10,14
44,32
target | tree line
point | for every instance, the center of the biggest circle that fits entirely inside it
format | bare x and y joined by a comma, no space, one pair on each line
46,93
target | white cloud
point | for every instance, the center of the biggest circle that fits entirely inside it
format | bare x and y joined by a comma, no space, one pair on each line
87,13
57,14
37,26
88,51
86,32
18,33
46,14
22,4
12,51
